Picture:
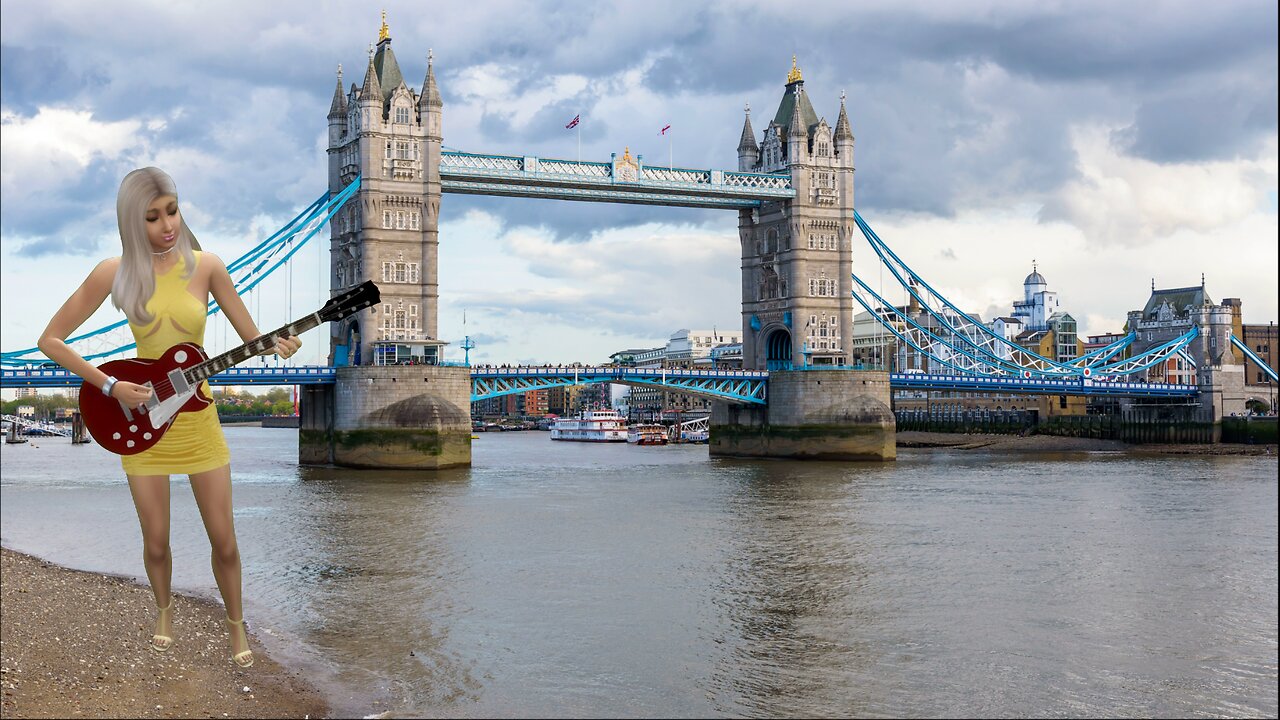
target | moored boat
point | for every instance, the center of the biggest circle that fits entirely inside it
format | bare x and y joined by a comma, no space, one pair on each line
647,434
591,426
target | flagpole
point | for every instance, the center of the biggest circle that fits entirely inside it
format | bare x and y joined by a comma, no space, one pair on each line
670,155
579,129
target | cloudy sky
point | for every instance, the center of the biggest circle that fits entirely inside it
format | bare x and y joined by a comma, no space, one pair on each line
1111,143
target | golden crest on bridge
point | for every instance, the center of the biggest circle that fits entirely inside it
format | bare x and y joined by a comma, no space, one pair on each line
626,169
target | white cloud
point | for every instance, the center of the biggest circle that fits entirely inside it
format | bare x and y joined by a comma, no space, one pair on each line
47,151
1125,200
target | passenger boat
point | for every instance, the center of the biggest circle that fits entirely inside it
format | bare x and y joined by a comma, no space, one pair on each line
591,426
647,434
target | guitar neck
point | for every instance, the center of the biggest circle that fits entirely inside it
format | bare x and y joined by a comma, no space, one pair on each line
257,346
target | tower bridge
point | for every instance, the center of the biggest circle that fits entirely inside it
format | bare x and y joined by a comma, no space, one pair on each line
793,193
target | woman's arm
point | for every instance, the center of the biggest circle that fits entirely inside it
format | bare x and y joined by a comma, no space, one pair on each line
83,303
224,291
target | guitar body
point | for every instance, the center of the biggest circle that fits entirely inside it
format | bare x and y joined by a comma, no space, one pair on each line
175,379
129,431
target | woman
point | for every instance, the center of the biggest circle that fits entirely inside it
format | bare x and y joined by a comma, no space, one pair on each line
162,283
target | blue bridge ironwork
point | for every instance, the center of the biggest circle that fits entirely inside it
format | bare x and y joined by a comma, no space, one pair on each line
740,386
619,181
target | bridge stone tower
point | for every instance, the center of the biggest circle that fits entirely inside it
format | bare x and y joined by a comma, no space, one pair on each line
390,135
796,255
797,304
377,415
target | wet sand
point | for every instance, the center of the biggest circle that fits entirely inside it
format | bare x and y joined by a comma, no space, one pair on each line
1054,443
75,644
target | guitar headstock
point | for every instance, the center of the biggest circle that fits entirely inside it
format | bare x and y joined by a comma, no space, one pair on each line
350,301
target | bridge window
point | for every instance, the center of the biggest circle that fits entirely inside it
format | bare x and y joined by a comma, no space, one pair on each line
415,220
399,219
402,148
386,219
402,115
388,149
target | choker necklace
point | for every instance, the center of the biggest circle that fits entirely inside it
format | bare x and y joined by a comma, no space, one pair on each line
166,252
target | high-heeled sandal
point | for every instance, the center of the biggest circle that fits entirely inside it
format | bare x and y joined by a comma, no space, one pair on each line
243,659
162,643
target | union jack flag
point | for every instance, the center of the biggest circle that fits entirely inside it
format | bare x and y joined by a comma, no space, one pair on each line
664,130
574,122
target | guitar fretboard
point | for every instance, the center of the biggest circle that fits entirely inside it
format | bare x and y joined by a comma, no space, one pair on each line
257,346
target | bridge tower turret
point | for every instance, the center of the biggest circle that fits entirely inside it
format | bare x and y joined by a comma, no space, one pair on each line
748,151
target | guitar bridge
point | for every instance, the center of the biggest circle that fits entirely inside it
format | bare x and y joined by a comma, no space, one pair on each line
178,381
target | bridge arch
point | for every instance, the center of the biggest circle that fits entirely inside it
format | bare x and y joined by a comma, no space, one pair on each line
778,348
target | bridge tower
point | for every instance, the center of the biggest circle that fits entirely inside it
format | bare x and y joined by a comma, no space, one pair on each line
797,307
797,304
390,135
377,415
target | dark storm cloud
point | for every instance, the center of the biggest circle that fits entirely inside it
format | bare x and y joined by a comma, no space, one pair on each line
1184,78
35,76
1213,123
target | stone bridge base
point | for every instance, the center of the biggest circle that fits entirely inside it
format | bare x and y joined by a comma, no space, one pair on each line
811,415
414,417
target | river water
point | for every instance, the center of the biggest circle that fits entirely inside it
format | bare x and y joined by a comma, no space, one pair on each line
566,579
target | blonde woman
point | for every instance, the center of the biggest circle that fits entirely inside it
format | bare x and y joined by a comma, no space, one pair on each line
162,283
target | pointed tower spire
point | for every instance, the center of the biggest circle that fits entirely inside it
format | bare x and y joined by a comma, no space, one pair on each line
843,131
372,89
430,92
748,141
338,107
797,121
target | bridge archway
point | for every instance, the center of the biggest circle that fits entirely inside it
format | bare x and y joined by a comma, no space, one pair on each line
778,349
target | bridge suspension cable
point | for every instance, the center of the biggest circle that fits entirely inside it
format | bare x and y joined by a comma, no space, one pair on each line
971,347
247,271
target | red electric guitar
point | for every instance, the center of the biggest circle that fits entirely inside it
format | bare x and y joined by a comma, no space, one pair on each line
175,377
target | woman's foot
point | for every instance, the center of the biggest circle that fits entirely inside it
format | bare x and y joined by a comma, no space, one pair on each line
162,640
240,653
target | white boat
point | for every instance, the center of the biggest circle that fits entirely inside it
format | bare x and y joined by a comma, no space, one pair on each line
695,436
591,426
647,434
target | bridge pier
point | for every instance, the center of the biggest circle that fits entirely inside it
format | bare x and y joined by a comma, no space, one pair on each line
410,417
811,415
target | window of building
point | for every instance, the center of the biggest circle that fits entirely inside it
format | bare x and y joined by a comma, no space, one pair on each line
415,220
399,219
402,115
386,219
402,149
388,149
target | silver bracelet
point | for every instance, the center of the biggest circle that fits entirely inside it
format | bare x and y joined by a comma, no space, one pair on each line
106,386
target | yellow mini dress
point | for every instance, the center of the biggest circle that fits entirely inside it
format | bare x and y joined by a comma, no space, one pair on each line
194,443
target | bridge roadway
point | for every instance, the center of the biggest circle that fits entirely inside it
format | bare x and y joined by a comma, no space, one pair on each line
743,386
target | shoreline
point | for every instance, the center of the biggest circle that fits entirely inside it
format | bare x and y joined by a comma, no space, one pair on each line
74,644
984,442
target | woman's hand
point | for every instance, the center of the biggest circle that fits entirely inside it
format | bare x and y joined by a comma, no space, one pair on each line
131,394
286,347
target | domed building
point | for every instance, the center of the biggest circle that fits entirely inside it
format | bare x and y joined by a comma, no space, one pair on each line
1038,304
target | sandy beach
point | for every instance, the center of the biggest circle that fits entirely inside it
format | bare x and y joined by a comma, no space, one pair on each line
74,644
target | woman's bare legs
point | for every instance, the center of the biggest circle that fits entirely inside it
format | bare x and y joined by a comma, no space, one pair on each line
151,500
213,496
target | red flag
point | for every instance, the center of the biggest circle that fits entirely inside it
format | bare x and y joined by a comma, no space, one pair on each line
574,122
664,130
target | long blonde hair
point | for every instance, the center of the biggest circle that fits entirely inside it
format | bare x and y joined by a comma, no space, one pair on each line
135,280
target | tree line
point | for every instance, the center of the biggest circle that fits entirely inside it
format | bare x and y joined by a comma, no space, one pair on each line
276,401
